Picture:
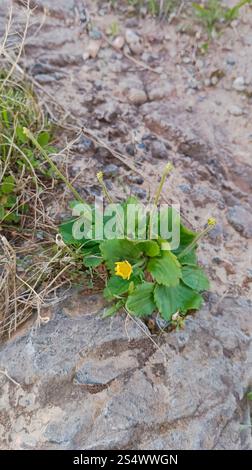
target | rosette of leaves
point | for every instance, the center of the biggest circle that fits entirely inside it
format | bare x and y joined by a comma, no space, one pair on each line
162,281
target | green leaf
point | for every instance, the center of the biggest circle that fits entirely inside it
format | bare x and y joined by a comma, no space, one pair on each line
170,300
66,231
149,247
249,395
116,286
8,185
113,309
119,250
189,258
2,212
92,261
186,237
194,277
43,139
165,269
20,134
141,301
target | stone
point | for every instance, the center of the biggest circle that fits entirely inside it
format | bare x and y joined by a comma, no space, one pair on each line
92,49
133,41
130,149
159,150
158,91
118,42
137,96
102,384
236,110
241,219
111,170
239,84
136,179
138,192
107,111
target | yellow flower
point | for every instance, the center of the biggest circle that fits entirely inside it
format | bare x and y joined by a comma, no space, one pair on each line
123,269
211,221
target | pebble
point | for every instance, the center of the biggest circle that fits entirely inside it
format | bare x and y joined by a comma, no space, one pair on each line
231,61
111,170
133,41
236,110
185,188
84,144
239,84
95,34
159,90
136,179
130,149
159,150
92,49
241,220
139,192
137,96
214,80
118,42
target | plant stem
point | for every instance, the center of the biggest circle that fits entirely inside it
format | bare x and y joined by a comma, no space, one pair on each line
167,170
196,239
30,135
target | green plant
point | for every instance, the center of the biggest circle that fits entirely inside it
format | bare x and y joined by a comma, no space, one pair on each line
22,170
213,13
155,7
143,276
113,29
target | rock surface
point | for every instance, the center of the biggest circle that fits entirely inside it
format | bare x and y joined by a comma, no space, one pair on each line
92,383
89,383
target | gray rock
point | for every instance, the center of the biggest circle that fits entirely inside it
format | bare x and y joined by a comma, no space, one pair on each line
111,170
137,96
139,192
102,384
133,41
136,179
130,149
239,84
158,91
236,110
241,219
159,150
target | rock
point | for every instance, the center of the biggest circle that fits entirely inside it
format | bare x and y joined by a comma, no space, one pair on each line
88,380
239,84
133,41
136,179
137,96
107,111
185,188
159,150
241,219
92,49
111,170
236,110
95,34
138,192
214,80
46,78
118,42
158,91
130,149
84,144
231,60
216,233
